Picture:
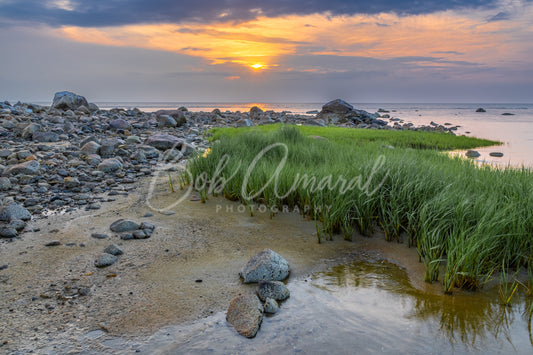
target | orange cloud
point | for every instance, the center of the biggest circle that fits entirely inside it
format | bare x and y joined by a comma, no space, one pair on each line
451,35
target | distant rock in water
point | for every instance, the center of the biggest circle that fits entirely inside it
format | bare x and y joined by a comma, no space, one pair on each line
255,112
481,110
337,106
507,114
496,154
66,100
339,111
473,154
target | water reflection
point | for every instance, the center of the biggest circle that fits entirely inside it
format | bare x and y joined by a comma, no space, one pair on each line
362,307
472,319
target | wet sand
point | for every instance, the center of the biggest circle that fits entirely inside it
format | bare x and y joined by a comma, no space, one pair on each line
156,282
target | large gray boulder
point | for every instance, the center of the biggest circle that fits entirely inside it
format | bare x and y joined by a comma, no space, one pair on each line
267,265
166,121
90,148
31,167
30,130
123,225
245,313
14,211
47,137
337,106
120,123
66,100
177,115
164,141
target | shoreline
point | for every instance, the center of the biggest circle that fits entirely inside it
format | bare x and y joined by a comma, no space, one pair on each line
94,167
153,284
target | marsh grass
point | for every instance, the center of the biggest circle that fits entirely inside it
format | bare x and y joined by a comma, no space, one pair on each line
469,220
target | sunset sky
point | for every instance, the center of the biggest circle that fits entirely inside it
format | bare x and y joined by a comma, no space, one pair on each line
269,51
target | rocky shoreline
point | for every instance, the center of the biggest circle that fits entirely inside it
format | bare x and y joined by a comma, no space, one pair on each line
76,235
63,156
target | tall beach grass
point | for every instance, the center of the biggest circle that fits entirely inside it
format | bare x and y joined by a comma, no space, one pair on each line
468,220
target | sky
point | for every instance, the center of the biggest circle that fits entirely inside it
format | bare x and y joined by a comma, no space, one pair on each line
268,51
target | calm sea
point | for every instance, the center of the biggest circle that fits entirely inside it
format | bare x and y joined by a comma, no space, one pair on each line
515,131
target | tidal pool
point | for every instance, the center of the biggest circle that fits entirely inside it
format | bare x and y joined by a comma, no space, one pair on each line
362,307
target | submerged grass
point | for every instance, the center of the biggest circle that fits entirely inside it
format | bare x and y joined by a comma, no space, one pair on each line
474,220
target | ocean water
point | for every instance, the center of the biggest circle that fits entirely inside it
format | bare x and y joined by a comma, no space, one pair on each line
514,131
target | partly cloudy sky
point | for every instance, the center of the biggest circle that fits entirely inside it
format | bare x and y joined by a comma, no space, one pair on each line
269,51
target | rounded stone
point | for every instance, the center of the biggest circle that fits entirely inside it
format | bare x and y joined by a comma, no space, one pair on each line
110,165
113,249
245,313
271,306
14,211
266,265
272,289
123,225
105,260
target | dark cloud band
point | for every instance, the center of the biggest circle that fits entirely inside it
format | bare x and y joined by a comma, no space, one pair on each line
98,13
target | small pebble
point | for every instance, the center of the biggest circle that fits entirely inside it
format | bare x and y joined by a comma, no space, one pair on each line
113,249
53,243
99,236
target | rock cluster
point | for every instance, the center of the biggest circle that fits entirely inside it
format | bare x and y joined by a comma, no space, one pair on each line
74,155
245,313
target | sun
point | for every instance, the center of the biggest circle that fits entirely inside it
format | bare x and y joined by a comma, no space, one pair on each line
257,66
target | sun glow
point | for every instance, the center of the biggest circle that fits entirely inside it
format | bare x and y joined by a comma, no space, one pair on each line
440,40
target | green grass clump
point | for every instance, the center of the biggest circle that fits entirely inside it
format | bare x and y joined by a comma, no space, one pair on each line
344,136
474,220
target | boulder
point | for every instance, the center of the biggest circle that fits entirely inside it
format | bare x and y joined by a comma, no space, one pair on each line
90,148
14,211
272,289
123,225
496,154
108,147
30,129
66,100
472,154
337,106
46,137
255,112
31,167
481,110
110,165
5,184
267,265
71,182
177,115
166,121
92,107
120,123
245,313
164,141
8,232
